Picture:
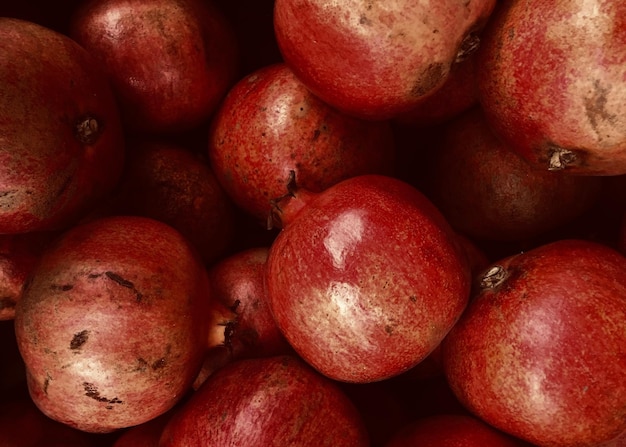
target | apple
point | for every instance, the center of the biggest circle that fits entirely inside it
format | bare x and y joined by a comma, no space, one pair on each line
551,81
60,131
366,278
540,352
170,62
377,59
276,400
112,323
270,124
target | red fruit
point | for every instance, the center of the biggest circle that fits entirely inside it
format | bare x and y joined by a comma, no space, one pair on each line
112,324
165,181
271,124
489,192
551,80
540,352
451,430
376,59
266,401
237,282
458,93
18,255
143,435
62,143
170,61
366,278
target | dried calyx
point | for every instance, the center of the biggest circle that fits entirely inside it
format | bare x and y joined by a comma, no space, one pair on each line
493,277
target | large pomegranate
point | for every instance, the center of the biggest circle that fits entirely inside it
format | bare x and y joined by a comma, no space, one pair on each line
377,59
111,325
366,278
60,132
540,352
551,80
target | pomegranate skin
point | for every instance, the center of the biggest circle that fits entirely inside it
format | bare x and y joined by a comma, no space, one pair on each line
371,59
270,124
60,131
451,430
112,324
551,81
540,352
366,278
170,61
277,401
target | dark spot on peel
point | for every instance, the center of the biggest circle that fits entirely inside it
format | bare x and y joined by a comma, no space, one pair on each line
431,77
7,303
92,391
79,340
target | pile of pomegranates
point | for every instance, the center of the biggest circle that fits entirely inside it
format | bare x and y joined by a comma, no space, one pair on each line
313,223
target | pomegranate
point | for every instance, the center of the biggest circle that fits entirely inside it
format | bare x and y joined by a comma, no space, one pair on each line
551,81
62,143
111,325
540,352
487,191
267,401
366,278
170,61
451,430
377,59
167,181
271,124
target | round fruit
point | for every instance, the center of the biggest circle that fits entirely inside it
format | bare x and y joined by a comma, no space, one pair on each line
60,133
111,325
366,278
540,352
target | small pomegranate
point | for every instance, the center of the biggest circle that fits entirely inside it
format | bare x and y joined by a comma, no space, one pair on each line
366,278
271,124
551,81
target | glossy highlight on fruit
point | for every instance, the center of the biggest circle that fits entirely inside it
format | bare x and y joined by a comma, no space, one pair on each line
366,278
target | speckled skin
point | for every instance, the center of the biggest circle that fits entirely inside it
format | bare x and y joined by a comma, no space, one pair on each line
112,325
170,61
49,177
270,124
542,355
489,192
366,278
451,430
274,401
375,59
552,75
166,181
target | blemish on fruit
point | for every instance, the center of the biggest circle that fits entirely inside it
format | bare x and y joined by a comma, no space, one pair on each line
160,363
87,130
79,340
124,283
595,107
428,79
413,298
493,277
92,391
